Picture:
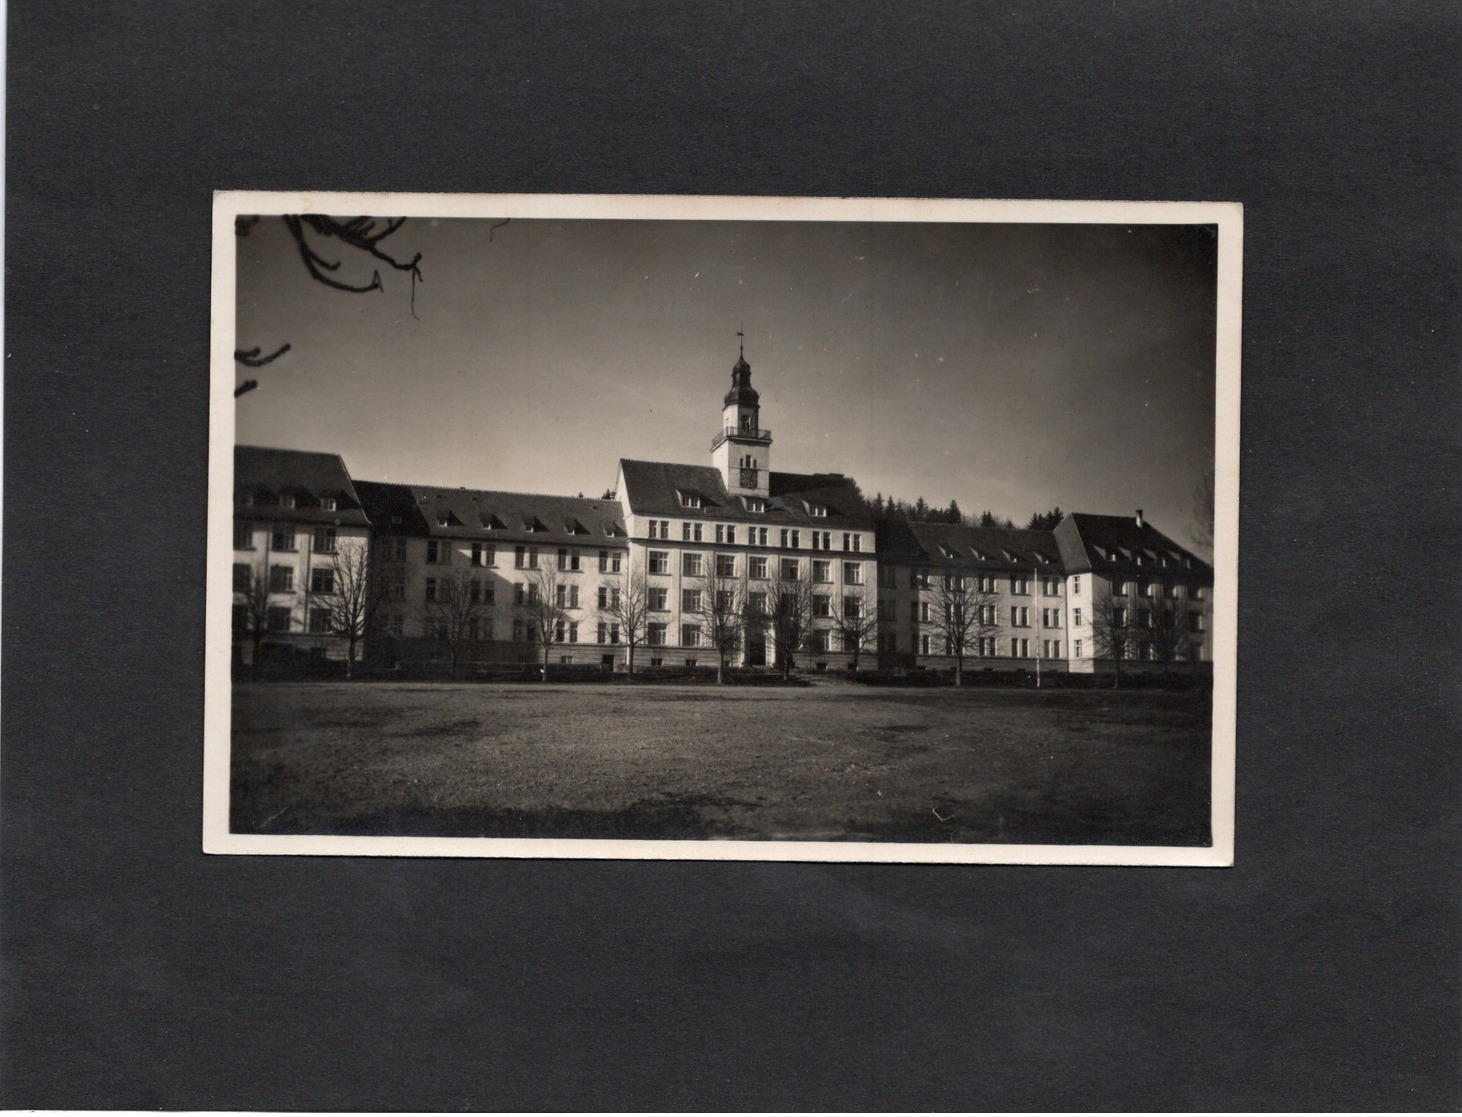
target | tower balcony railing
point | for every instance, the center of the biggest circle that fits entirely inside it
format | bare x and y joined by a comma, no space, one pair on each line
753,434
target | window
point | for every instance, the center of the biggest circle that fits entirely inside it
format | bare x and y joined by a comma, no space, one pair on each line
690,635
822,640
520,596
655,635
574,558
1076,648
819,510
989,614
754,504
242,577
328,503
1076,620
1050,587
281,579
924,612
396,589
322,580
796,538
756,603
1119,617
760,536
601,634
1144,618
822,570
440,551
857,542
1199,593
821,605
520,557
243,535
786,535
654,529
919,580
789,569
533,598
518,631
853,573
487,592
1174,590
484,554
319,620
282,538
278,618
1195,621
852,608
614,560
1076,584
241,618
725,602
659,598
1052,649
887,577
659,562
725,566
690,500
725,533
1119,587
758,566
690,564
690,601
431,590
1020,648
573,632
888,610
986,646
924,644
1020,584
693,531
1051,618
561,595
286,500
1020,616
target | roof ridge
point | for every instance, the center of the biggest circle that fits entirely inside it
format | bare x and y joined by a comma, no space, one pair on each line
500,492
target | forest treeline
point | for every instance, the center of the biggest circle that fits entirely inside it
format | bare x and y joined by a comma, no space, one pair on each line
887,509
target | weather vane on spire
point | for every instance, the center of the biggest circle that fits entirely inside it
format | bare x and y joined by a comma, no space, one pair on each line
742,335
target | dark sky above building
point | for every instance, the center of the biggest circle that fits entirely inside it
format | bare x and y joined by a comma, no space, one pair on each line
1009,367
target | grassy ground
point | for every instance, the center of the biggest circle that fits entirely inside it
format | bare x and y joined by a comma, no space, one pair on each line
837,761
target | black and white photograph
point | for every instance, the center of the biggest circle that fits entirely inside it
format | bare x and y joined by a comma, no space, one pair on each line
789,529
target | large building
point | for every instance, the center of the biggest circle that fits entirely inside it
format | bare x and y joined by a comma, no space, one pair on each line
697,561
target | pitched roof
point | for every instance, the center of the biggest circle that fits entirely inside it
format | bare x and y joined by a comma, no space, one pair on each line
972,548
656,489
1115,544
264,473
489,514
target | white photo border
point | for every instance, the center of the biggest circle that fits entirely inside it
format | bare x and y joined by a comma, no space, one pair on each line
1227,216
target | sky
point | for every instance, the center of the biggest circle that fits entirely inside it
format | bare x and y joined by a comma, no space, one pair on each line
1004,366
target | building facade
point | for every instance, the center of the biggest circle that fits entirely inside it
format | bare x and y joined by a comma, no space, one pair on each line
729,560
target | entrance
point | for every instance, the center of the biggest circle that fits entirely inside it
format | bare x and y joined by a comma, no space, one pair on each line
756,651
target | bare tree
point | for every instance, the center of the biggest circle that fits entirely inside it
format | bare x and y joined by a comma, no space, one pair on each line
1169,634
1201,529
1111,630
251,599
351,602
324,244
454,611
962,613
629,607
790,609
721,613
856,623
547,607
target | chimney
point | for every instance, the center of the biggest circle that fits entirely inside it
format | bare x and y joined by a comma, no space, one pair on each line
1139,517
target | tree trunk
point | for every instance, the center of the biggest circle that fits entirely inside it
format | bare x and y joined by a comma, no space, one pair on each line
958,671
546,649
257,667
350,658
630,662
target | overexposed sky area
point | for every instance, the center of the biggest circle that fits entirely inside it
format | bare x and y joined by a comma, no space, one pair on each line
1009,367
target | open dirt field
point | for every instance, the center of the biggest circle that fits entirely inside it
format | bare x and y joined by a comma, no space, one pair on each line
837,761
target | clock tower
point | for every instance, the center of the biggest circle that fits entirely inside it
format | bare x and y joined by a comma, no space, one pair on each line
742,451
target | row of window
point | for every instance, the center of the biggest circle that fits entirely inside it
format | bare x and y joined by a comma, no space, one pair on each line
692,565
439,552
790,538
282,537
288,500
281,579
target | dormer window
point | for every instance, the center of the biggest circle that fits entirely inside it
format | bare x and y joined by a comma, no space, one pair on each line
286,500
690,500
327,503
817,509
755,504
444,519
490,521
